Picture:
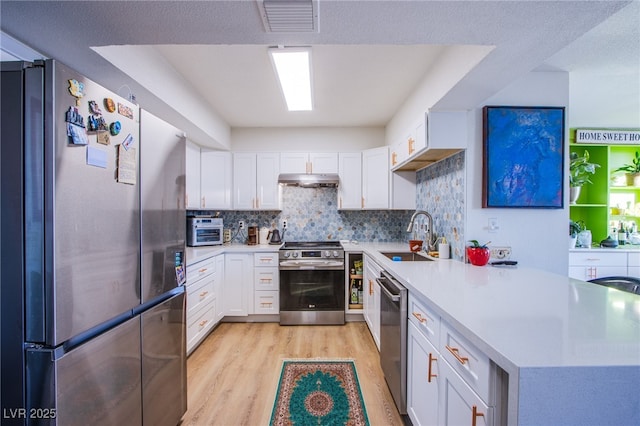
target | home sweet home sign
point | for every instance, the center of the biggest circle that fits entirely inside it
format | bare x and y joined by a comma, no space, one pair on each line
608,136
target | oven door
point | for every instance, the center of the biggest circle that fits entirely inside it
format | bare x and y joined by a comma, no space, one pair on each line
207,236
312,290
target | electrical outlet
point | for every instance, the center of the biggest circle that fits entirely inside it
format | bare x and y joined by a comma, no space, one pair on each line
241,224
284,224
501,253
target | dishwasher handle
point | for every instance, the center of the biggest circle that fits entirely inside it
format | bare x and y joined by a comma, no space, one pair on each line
385,289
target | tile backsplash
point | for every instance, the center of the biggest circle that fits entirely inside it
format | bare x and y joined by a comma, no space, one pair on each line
312,213
440,190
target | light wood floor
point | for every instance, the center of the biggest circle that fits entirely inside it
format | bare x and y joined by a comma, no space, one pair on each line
232,376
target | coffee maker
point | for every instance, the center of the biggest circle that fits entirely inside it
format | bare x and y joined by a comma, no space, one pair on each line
252,238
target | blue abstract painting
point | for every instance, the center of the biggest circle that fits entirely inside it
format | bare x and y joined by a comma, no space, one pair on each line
523,157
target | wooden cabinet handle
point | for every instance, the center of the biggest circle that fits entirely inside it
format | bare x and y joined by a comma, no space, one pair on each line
203,202
202,270
370,288
411,143
266,259
431,375
394,158
419,317
204,293
362,203
266,280
266,304
475,414
454,351
203,323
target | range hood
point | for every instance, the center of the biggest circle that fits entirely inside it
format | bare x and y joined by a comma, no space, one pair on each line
309,180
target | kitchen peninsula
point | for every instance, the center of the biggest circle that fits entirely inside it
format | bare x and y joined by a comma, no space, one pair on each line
569,350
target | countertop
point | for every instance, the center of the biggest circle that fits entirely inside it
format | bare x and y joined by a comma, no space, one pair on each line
630,248
523,317
520,317
197,254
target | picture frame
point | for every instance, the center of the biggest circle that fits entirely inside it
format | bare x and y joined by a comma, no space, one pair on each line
523,157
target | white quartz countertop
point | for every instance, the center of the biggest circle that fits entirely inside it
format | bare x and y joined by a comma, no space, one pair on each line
198,254
524,317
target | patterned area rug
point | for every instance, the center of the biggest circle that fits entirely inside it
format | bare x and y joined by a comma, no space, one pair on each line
319,393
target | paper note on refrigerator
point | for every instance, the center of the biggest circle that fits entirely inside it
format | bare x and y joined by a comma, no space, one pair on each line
127,168
96,157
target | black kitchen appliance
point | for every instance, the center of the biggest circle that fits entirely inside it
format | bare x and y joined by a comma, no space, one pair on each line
312,283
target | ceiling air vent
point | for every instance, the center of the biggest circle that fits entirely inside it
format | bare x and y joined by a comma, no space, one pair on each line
289,16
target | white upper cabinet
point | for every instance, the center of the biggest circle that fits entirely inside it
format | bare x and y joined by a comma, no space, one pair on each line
375,178
302,162
323,162
244,181
268,190
192,184
350,188
255,181
215,179
435,136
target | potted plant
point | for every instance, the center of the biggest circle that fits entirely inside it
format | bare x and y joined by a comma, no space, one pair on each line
580,169
574,229
478,254
632,171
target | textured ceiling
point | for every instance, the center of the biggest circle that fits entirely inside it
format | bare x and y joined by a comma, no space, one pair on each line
368,55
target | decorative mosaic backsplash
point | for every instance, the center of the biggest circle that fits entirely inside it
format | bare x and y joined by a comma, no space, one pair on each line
441,192
312,213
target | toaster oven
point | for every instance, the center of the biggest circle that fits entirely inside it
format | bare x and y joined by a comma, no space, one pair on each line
204,231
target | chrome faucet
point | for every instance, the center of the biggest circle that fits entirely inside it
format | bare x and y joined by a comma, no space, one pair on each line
431,237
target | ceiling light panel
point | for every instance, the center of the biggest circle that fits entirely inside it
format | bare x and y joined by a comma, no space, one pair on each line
293,68
289,16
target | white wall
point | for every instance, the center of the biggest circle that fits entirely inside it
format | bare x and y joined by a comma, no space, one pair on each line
538,237
309,139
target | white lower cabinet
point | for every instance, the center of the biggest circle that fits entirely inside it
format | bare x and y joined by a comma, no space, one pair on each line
459,404
203,297
449,381
219,287
596,264
423,372
238,284
266,283
371,305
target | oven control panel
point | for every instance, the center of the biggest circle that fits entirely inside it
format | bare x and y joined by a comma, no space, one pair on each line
313,254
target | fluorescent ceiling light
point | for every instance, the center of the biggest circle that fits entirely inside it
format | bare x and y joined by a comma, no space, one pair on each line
293,66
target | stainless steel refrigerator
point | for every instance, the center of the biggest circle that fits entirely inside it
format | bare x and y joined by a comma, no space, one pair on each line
93,239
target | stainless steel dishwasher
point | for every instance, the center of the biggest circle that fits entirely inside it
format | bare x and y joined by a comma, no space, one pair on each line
393,338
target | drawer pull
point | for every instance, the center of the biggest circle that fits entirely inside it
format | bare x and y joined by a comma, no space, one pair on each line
266,259
454,351
203,323
419,317
266,304
202,270
266,280
430,375
475,414
370,288
204,293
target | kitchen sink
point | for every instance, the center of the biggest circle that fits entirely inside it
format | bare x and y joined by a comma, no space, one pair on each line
405,256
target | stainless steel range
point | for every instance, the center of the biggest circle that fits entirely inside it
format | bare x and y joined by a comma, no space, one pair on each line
312,283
